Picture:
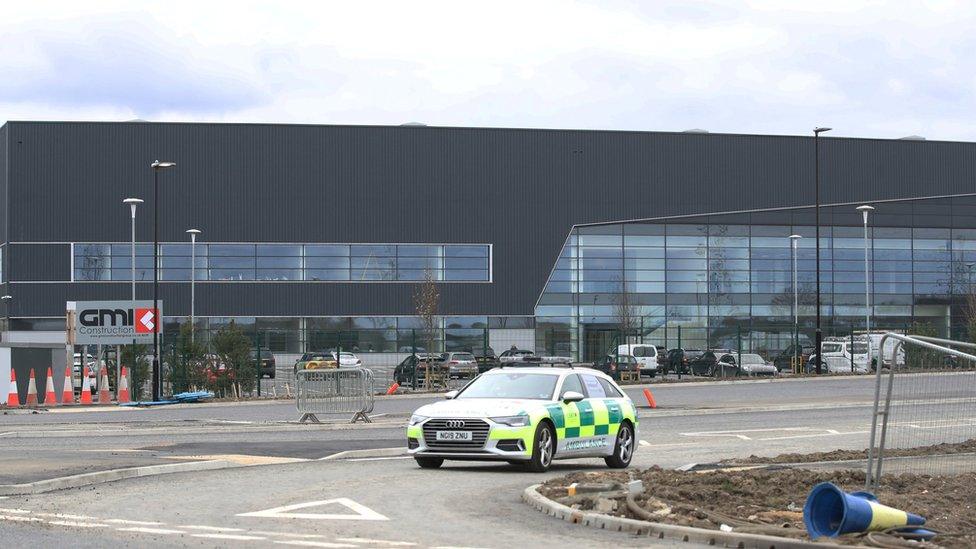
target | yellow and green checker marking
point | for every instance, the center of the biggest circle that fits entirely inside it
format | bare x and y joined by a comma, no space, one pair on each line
587,418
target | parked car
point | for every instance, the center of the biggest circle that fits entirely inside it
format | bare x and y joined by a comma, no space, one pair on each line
709,363
485,357
317,360
782,361
750,364
679,360
406,371
265,363
347,360
612,365
514,355
460,365
841,356
646,356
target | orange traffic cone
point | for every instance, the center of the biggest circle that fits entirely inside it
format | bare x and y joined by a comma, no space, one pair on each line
103,396
13,397
50,399
32,390
650,398
122,395
85,397
67,394
393,388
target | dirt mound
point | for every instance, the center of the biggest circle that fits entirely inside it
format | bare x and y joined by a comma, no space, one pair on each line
770,501
966,447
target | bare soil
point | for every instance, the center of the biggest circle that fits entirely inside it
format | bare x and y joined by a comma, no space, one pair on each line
770,501
966,447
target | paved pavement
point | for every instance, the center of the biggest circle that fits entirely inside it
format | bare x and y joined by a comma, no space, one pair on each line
382,501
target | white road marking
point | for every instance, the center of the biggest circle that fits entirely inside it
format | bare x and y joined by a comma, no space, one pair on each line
380,458
285,535
314,543
15,511
805,432
644,443
378,542
66,516
20,518
136,522
151,530
360,512
235,537
211,528
77,524
7,433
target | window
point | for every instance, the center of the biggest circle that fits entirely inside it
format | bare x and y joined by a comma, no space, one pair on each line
572,383
593,387
285,262
609,389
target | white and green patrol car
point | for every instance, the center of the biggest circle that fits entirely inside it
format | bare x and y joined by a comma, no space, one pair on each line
527,416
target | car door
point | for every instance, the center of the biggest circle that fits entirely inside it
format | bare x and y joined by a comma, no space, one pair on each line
566,417
600,417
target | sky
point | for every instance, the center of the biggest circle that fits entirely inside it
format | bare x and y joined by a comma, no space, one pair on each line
865,68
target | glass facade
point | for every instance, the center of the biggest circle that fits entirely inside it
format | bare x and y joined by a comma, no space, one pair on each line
711,282
286,262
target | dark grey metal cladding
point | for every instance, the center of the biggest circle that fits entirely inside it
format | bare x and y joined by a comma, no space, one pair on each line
520,190
4,219
37,262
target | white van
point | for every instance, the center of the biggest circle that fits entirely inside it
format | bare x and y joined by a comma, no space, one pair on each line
837,355
889,349
645,354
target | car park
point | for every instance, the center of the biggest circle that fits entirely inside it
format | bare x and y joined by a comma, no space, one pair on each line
485,357
784,360
529,416
840,356
265,362
347,360
678,360
750,364
319,360
405,373
709,364
514,355
460,365
645,355
614,366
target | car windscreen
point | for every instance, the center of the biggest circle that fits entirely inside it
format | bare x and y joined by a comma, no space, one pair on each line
463,356
752,359
510,384
691,353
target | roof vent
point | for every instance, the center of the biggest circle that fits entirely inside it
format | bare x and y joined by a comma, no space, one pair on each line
912,138
414,124
695,130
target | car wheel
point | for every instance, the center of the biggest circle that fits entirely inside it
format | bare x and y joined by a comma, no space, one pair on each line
429,463
711,371
543,448
623,450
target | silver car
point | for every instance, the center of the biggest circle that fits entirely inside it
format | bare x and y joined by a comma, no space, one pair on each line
460,365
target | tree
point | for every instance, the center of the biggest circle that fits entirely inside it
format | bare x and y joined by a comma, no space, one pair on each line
426,300
135,359
186,361
626,312
233,350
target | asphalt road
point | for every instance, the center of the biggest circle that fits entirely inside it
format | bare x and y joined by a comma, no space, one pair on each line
380,501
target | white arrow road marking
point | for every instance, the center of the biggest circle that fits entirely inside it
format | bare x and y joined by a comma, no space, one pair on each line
151,530
314,543
370,541
234,537
360,512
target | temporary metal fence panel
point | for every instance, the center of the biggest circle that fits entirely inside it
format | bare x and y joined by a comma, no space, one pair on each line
337,391
925,400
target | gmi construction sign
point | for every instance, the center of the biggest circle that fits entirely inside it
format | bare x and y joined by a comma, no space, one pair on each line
112,322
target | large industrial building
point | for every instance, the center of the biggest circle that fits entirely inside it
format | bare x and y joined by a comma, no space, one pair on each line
539,238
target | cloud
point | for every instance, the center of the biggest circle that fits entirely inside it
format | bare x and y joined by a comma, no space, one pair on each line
865,68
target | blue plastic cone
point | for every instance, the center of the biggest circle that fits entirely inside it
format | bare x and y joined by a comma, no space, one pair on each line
832,512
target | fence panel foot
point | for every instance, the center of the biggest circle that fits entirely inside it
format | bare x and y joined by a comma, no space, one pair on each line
309,418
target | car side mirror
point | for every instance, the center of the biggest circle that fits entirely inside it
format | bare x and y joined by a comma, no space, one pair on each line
450,395
572,396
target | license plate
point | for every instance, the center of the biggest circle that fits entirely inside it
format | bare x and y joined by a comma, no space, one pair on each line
454,435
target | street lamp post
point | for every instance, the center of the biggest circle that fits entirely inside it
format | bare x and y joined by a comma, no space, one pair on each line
794,241
816,148
158,321
865,210
133,204
193,278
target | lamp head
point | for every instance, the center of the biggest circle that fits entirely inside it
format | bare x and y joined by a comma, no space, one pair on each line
820,130
7,297
157,165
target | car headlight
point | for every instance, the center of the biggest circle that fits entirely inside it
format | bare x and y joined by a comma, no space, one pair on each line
415,419
512,421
